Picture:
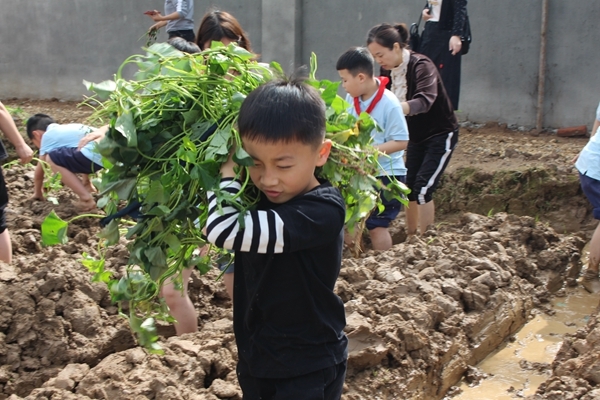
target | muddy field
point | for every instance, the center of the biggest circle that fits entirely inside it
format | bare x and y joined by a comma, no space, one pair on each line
512,225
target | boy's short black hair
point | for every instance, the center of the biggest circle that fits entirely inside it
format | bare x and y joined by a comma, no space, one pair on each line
38,122
283,111
356,60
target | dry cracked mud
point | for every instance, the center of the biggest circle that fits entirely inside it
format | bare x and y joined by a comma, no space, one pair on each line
512,226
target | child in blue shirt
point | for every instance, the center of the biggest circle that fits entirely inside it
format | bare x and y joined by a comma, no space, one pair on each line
368,94
60,147
588,165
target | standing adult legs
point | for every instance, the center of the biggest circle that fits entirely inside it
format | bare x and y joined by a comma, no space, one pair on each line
425,162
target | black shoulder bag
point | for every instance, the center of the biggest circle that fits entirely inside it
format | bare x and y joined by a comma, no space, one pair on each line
465,38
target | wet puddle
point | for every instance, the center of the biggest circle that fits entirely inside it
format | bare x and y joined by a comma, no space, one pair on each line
537,342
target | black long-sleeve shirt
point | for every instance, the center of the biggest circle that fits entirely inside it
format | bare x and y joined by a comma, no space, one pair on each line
287,319
453,15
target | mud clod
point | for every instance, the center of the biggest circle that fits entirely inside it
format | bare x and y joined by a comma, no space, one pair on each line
419,316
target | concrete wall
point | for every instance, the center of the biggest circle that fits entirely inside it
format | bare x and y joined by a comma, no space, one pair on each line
49,47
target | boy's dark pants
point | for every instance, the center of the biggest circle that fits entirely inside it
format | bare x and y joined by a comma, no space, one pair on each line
324,384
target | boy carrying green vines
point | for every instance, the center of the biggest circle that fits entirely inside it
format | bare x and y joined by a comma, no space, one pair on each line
288,321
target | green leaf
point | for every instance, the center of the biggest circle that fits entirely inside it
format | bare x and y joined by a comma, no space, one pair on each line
159,211
276,67
156,256
164,50
123,188
207,173
240,52
54,230
241,157
219,143
189,117
156,193
103,201
199,128
126,126
146,333
330,93
173,242
110,232
339,105
137,228
106,147
103,90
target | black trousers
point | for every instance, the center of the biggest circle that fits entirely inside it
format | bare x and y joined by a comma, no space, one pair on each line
434,44
425,164
187,34
324,384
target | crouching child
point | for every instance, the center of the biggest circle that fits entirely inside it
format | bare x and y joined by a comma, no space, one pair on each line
69,149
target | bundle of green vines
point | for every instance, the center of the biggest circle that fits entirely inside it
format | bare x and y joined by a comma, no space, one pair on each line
170,128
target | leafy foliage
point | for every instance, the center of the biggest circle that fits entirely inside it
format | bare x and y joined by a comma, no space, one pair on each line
170,128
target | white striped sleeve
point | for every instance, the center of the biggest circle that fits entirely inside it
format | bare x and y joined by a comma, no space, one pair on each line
262,232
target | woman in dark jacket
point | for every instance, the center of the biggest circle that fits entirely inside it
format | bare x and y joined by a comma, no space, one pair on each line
441,41
432,125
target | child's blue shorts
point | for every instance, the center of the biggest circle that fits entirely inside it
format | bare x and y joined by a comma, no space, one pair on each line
73,160
391,208
591,189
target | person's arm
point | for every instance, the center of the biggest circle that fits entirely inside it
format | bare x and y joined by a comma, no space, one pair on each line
458,25
269,231
405,107
426,15
182,10
392,146
7,125
396,131
158,25
426,77
165,18
94,136
38,181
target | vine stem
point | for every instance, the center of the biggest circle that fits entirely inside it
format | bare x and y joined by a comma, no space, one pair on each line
75,218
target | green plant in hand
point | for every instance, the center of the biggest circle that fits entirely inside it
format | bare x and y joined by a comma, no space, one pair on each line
170,128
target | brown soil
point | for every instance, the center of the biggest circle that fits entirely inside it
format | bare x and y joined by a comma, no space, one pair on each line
576,368
418,315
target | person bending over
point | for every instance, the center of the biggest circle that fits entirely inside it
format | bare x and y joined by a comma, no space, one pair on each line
59,147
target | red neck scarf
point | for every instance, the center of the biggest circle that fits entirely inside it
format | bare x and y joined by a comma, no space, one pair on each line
383,81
